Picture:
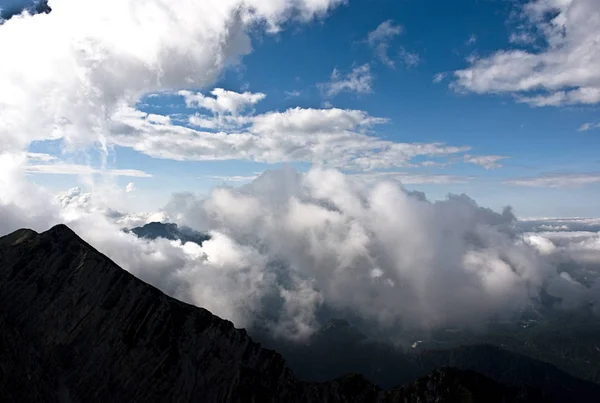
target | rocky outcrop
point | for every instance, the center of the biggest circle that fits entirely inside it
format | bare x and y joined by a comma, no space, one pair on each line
77,328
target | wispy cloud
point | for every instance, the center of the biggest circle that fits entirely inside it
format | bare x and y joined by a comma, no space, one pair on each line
408,178
439,77
359,80
232,178
589,126
41,163
565,180
380,38
409,59
486,161
41,157
521,38
74,169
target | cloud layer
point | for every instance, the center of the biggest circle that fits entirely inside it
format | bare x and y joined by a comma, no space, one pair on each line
288,244
289,247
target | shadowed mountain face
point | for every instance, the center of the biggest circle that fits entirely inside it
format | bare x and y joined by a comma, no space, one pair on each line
77,328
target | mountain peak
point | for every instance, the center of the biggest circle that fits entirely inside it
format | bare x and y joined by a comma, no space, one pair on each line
61,230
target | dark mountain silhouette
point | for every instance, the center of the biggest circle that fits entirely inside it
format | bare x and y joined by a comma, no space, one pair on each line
170,231
77,328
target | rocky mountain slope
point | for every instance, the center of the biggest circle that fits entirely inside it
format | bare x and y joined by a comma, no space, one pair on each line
77,328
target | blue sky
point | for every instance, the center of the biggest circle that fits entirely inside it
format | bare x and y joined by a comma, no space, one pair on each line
428,39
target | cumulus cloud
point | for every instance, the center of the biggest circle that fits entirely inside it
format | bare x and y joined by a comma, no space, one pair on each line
380,38
359,80
328,239
335,137
87,57
224,102
563,72
80,79
573,246
565,180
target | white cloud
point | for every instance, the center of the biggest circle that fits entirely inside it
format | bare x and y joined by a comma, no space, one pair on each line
130,187
380,38
578,96
384,32
570,224
334,137
564,72
589,126
407,178
557,180
359,80
486,161
472,40
439,77
41,163
231,178
88,57
293,94
74,169
42,157
224,101
522,38
329,234
409,59
575,252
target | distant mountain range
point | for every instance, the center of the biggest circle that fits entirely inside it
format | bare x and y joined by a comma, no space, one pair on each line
169,231
77,328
